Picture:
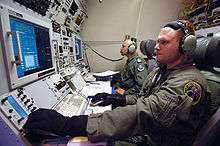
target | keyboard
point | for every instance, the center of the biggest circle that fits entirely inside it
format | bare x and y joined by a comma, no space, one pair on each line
72,105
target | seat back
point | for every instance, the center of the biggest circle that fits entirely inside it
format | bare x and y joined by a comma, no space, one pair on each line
207,52
147,48
209,131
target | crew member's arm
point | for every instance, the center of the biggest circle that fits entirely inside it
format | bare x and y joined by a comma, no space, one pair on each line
139,72
174,100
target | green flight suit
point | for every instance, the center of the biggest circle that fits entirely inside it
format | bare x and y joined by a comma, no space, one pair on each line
170,109
133,75
214,87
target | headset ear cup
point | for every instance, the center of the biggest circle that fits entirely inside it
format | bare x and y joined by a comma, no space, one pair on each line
189,44
131,48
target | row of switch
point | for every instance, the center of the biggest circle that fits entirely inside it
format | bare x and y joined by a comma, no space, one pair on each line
20,92
11,111
19,120
25,103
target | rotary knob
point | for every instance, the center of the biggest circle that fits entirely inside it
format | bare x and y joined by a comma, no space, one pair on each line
19,120
33,109
3,100
10,110
28,100
24,96
30,105
19,93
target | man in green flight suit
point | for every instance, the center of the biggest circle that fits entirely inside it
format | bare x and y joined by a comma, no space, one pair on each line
170,109
134,71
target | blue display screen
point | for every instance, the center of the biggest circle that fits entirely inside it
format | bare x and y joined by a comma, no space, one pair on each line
34,45
78,49
16,106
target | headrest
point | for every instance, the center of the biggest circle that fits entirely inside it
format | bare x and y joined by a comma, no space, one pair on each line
147,47
207,52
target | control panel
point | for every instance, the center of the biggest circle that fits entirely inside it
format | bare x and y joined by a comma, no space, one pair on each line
49,91
70,13
45,93
69,72
63,46
57,85
81,66
16,106
39,6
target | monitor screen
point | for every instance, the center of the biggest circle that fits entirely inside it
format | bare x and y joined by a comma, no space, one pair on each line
35,50
78,49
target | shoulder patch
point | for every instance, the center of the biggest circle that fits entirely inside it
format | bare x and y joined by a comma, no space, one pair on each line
139,60
140,67
193,90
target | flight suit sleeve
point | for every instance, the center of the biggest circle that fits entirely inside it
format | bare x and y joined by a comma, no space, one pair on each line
163,107
118,123
177,107
174,100
139,72
127,79
132,98
133,76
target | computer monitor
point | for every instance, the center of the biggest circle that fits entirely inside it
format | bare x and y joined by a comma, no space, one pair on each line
27,49
35,46
78,49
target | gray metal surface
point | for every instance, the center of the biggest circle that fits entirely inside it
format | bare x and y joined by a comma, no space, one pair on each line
7,136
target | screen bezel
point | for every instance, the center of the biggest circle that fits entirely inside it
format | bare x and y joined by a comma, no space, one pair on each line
7,46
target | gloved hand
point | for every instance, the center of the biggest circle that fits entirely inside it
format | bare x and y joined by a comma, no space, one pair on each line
52,121
107,99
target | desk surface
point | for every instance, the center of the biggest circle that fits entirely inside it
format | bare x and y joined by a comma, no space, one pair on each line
82,141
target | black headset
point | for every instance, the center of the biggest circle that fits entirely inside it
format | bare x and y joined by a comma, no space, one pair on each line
188,43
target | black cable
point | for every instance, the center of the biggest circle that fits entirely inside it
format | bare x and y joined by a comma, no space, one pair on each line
109,59
87,60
